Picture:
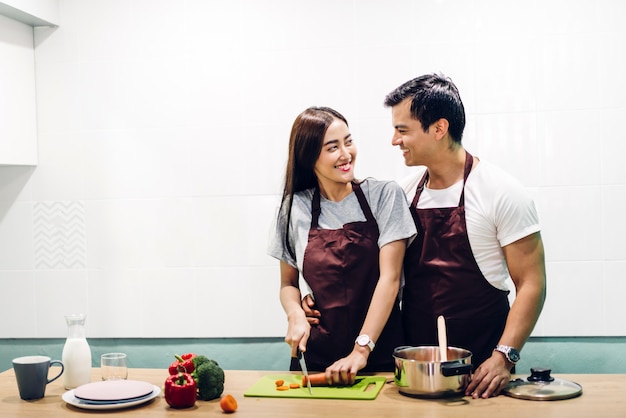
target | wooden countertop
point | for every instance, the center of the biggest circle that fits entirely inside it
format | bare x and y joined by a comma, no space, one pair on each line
603,396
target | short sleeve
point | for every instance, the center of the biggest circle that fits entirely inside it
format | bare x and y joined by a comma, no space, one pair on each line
391,212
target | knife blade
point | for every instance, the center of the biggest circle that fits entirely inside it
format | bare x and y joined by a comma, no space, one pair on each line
305,372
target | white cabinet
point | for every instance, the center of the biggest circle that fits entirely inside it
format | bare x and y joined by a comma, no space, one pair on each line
18,93
32,12
18,100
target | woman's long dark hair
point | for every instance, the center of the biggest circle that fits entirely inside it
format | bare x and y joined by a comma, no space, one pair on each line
305,146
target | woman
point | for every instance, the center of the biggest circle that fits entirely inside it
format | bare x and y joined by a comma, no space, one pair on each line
347,239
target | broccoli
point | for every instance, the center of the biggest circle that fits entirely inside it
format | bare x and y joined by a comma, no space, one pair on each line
209,378
198,360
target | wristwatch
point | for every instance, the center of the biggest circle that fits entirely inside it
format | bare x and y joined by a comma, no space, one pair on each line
510,353
365,341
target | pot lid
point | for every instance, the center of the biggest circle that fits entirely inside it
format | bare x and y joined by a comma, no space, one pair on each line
540,386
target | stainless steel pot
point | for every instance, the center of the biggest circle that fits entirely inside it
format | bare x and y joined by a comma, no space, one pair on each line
420,372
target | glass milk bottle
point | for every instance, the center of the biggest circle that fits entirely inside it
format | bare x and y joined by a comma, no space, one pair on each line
76,353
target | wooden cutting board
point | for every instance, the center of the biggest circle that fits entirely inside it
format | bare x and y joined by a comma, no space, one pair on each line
364,388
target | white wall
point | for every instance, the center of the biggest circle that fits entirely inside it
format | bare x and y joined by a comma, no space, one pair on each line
163,130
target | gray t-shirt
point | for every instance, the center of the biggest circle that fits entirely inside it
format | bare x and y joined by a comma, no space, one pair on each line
385,198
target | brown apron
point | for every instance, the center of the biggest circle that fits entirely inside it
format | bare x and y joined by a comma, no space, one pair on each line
443,278
342,268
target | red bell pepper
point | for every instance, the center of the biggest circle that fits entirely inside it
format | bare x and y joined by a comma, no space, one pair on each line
183,364
180,391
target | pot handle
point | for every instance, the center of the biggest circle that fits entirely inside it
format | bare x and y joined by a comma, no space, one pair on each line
455,368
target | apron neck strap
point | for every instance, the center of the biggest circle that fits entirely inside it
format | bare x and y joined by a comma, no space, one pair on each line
469,162
316,208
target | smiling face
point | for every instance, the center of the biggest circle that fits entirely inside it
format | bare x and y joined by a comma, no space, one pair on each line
416,145
334,167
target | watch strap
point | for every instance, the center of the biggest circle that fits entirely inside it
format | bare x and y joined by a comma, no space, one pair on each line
511,354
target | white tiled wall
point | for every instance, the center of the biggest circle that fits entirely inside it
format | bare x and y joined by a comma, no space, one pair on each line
164,124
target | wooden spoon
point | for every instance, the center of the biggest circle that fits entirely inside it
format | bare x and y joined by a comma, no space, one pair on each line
443,338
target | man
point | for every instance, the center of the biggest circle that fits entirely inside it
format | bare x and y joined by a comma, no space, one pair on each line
476,227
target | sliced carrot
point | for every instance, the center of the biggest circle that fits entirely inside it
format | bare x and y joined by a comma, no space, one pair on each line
316,379
279,382
282,387
294,385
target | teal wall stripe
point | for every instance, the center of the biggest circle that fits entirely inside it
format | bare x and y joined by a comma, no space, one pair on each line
563,355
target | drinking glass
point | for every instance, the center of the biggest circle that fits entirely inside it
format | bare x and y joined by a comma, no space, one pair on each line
113,366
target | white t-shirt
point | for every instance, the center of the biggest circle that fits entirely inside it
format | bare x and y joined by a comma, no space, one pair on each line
387,202
498,212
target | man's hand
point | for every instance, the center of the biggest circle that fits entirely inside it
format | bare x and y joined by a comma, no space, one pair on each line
490,377
312,314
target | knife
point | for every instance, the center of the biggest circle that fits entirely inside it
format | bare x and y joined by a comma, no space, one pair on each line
305,372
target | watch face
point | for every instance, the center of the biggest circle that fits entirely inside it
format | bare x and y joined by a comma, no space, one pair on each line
514,355
365,341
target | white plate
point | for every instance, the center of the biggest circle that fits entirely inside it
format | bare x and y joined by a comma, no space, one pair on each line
70,399
113,391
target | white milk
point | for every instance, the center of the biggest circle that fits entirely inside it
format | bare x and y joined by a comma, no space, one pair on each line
77,362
